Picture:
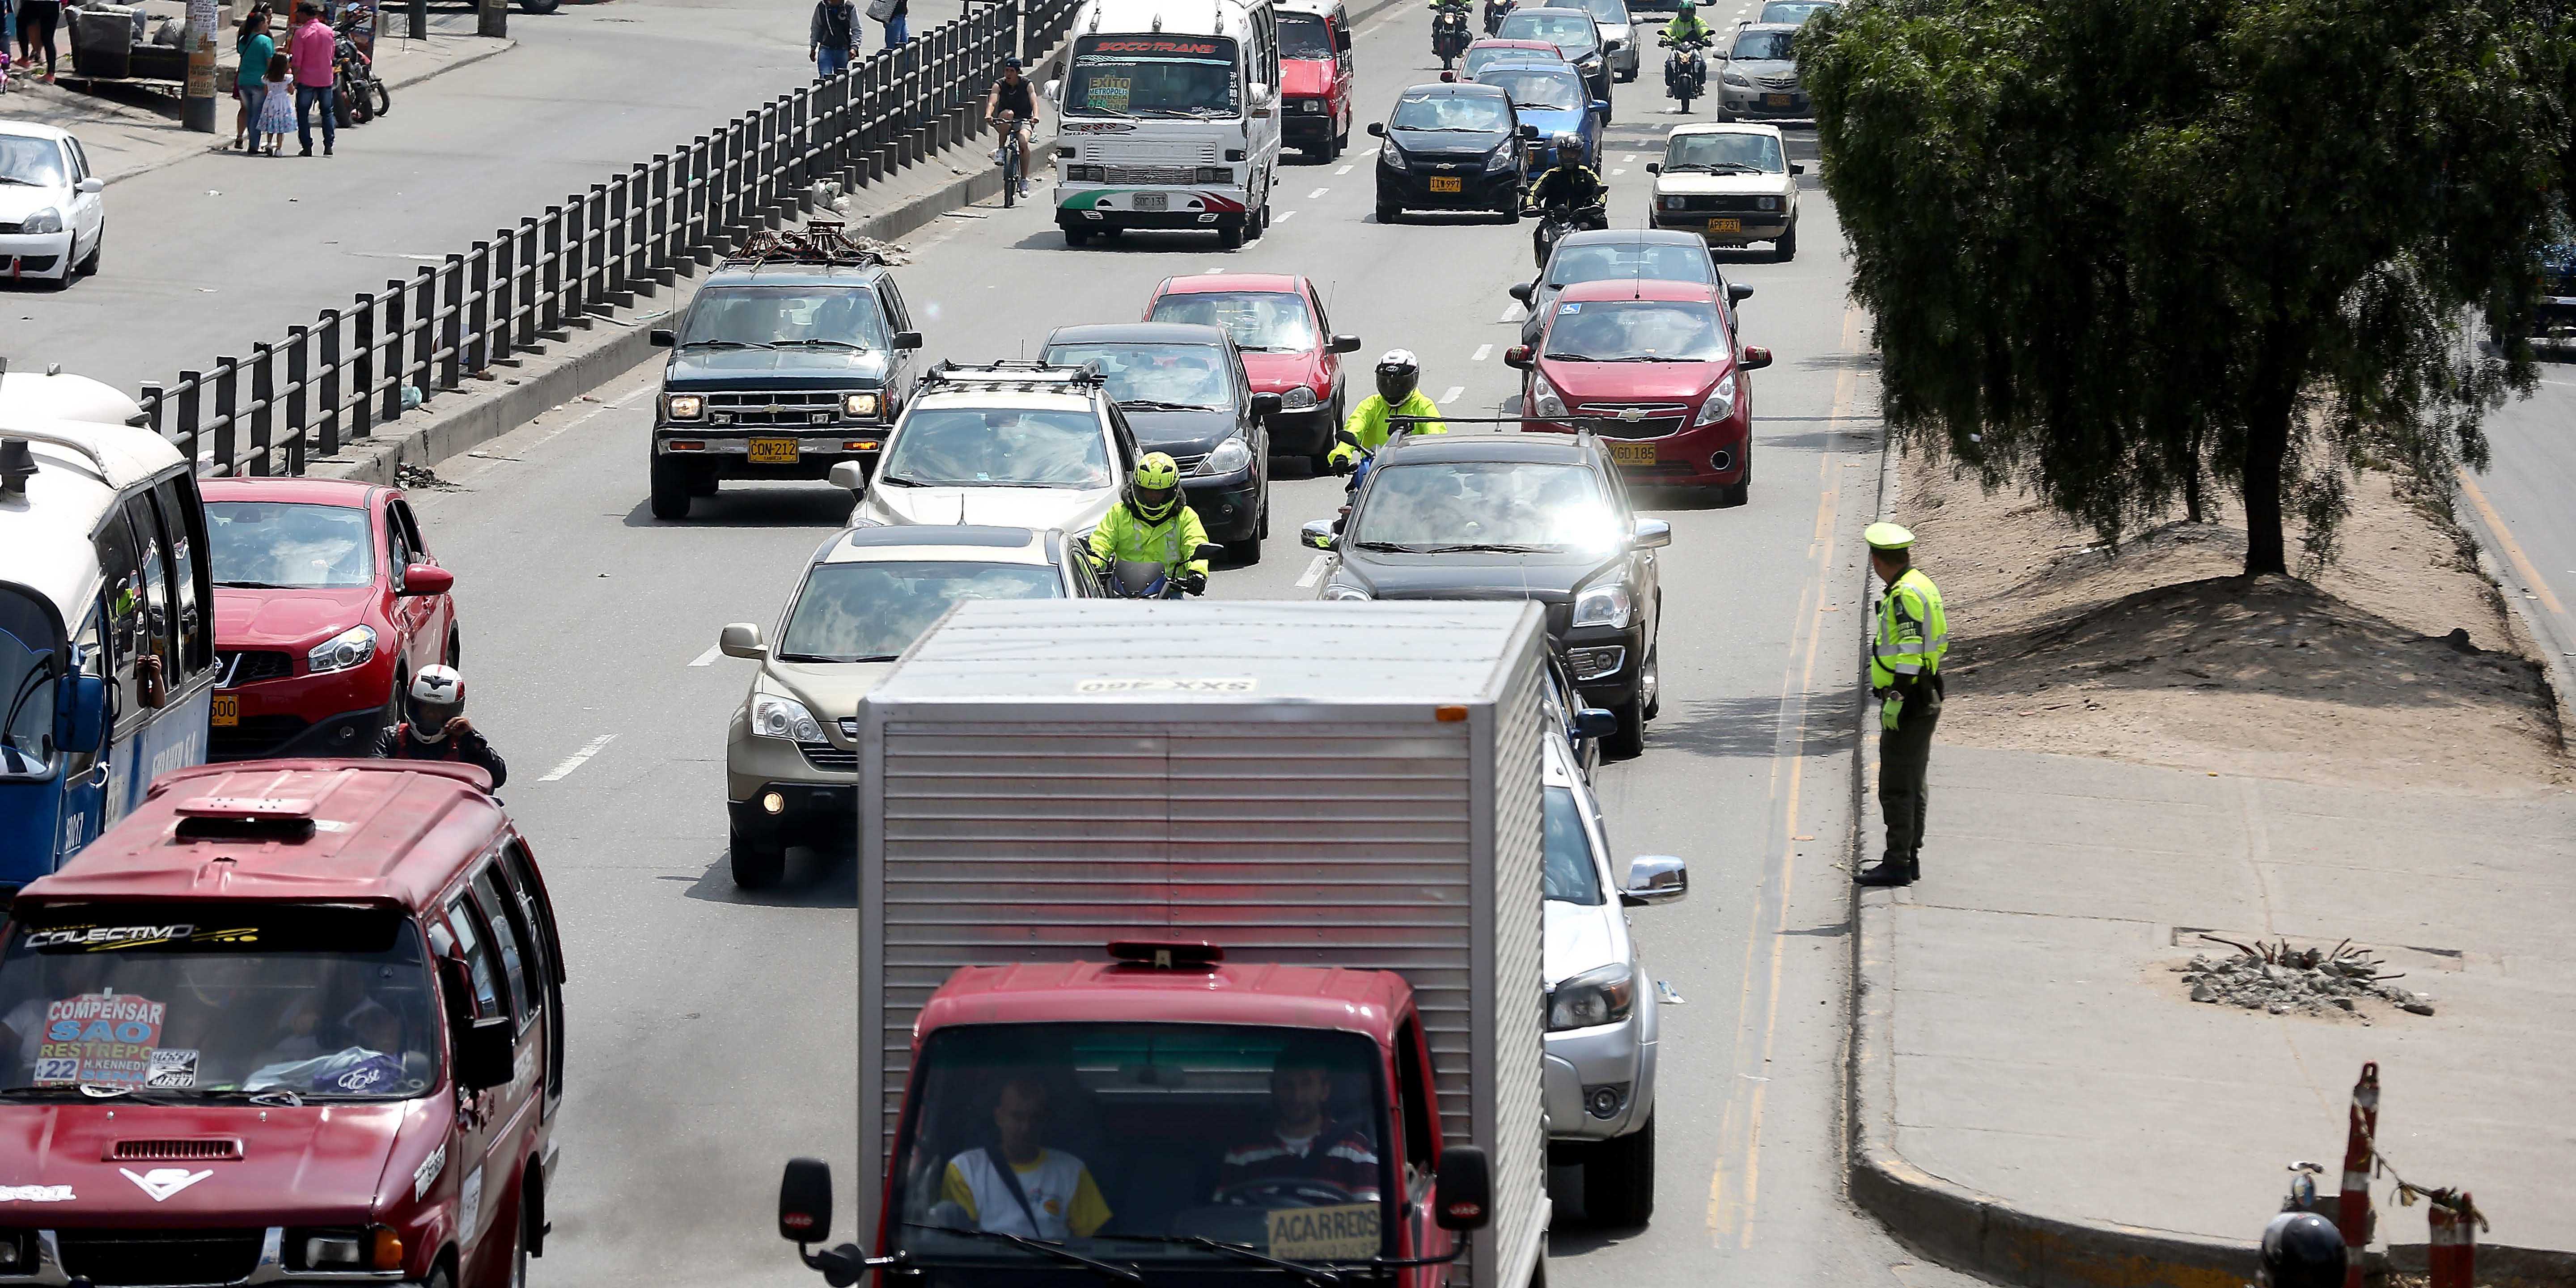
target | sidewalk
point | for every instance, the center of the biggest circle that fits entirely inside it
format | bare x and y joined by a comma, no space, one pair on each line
133,128
2036,1097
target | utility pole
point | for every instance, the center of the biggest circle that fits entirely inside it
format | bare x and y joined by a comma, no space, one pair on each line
197,111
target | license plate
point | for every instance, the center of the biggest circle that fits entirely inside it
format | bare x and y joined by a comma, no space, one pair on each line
1726,225
1447,183
1632,453
1153,201
1777,100
773,451
227,712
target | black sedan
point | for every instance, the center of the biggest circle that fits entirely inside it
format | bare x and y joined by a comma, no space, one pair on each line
1450,147
1182,390
1505,516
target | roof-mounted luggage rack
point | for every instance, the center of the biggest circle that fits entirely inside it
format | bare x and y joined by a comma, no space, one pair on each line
1016,375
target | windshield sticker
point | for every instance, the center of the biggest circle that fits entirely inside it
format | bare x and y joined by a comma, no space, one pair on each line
170,1068
35,1194
104,938
1164,686
1348,1232
1569,308
1156,45
1110,93
99,1037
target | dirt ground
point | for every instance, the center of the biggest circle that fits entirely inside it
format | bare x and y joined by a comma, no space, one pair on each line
2395,666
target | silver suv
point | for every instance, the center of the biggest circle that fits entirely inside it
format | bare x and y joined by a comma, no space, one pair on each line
1759,77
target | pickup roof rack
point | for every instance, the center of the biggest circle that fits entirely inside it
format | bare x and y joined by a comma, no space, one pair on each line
820,241
1015,375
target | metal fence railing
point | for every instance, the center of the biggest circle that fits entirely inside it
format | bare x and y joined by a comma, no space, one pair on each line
394,351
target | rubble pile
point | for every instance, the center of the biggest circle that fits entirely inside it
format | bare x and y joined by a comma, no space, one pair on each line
2307,981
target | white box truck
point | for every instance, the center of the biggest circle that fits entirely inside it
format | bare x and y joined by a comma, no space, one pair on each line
1201,937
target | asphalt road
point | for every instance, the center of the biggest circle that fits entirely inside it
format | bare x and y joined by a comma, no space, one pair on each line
712,1031
2524,506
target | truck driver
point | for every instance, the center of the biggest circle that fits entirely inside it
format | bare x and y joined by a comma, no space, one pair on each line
1304,1145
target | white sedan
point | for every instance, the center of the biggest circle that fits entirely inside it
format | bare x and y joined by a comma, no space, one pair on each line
1731,184
52,218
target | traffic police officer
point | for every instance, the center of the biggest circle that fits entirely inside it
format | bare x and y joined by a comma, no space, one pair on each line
1905,677
1152,524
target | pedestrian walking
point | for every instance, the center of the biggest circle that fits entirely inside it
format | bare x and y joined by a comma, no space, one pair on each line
1905,677
834,36
254,48
898,29
36,19
310,49
277,106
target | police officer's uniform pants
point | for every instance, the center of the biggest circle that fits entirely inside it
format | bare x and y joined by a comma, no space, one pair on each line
1904,757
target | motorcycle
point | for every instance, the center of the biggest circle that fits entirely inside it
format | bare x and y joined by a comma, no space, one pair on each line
1449,36
1144,579
358,96
1495,12
1554,224
1686,73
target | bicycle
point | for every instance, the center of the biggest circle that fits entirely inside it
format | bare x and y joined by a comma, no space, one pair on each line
1007,157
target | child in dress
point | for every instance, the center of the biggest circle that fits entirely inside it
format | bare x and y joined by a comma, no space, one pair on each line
277,111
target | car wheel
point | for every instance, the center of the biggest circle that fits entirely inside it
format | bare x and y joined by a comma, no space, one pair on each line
1619,1179
394,700
1386,214
1651,679
670,489
89,263
1786,248
756,863
519,1249
1628,741
1076,236
1230,238
455,653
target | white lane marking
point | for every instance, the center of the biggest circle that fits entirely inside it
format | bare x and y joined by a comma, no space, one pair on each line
1218,269
1452,395
578,758
1483,351
708,658
1370,153
1314,572
1617,170
1283,216
1630,157
1512,313
1317,193
1343,170
584,418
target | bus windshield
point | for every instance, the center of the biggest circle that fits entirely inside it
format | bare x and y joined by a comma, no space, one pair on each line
1152,75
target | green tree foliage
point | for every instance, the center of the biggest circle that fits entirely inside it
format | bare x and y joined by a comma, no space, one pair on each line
2113,244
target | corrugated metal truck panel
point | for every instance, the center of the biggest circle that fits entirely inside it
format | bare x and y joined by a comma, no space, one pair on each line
1038,779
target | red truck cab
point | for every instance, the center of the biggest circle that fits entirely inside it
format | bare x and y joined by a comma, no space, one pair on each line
297,1023
1315,77
1165,1111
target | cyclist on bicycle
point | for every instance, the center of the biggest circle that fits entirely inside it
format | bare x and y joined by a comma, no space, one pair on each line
1013,104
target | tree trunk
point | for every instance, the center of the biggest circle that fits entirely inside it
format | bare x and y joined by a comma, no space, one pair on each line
2275,398
2191,471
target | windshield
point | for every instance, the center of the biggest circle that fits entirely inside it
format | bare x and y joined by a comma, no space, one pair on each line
783,316
31,666
1549,88
203,999
33,161
1157,375
1126,1139
1263,321
1637,331
1457,113
1151,76
273,544
1302,35
1764,46
1609,13
1795,10
870,612
1484,503
1570,875
1737,152
1576,262
1022,447
1565,29
1478,59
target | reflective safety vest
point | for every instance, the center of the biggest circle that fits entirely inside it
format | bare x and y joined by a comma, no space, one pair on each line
1913,634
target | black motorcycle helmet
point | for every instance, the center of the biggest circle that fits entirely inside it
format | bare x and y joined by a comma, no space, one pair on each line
1398,375
2301,1250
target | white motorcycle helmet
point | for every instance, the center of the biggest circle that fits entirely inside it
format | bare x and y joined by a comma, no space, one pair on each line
437,696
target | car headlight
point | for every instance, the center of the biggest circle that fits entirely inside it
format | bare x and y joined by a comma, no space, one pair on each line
1602,996
776,717
47,220
1314,105
859,405
352,647
1603,604
1297,398
1770,203
1389,156
1231,455
1719,404
1342,592
1736,81
1543,399
1502,158
1673,203
373,1248
685,406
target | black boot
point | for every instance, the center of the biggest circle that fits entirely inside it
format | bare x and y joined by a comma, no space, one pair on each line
1890,871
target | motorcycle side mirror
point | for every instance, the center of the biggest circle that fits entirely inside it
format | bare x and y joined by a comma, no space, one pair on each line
1377,129
1797,167
1755,358
661,337
1346,344
1318,535
1523,292
1517,356
1654,167
1207,552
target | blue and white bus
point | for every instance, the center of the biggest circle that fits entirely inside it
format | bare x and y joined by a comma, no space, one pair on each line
107,656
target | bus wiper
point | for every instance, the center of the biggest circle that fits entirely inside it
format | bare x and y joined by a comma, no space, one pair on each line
1312,1274
1122,1274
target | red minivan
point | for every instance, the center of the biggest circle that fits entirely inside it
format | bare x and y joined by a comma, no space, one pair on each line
298,1022
1315,72
1652,368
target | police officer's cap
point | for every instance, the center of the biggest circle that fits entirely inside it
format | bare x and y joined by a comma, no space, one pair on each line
1887,536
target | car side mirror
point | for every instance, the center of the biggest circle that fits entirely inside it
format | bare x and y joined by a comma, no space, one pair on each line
1738,292
1265,406
1595,722
661,337
487,1053
1462,1196
805,1201
1654,167
1523,291
1517,356
1346,344
1651,534
1377,129
849,476
1601,107
81,725
1755,358
1318,535
1797,167
1448,78
419,580
907,339
93,184
1529,132
742,640
1342,40
1655,878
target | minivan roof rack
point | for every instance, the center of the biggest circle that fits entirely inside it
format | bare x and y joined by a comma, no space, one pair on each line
1030,375
820,241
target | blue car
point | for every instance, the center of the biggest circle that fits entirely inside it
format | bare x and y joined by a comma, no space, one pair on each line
1552,97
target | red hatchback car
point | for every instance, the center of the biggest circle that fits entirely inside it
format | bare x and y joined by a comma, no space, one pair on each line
1289,348
327,601
1652,368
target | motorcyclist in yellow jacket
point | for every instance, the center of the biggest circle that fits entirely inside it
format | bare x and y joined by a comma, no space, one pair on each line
1151,524
1685,29
1399,393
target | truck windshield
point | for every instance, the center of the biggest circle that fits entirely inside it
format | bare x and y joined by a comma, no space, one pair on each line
210,1000
870,612
31,666
1151,75
1125,1141
285,545
844,317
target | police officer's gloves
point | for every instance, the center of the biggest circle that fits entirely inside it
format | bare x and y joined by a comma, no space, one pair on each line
1889,710
1342,464
1195,582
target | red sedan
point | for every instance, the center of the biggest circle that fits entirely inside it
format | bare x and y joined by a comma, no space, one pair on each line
1277,320
326,602
1653,368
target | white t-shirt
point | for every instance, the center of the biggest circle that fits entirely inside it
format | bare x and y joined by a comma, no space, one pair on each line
1058,1186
